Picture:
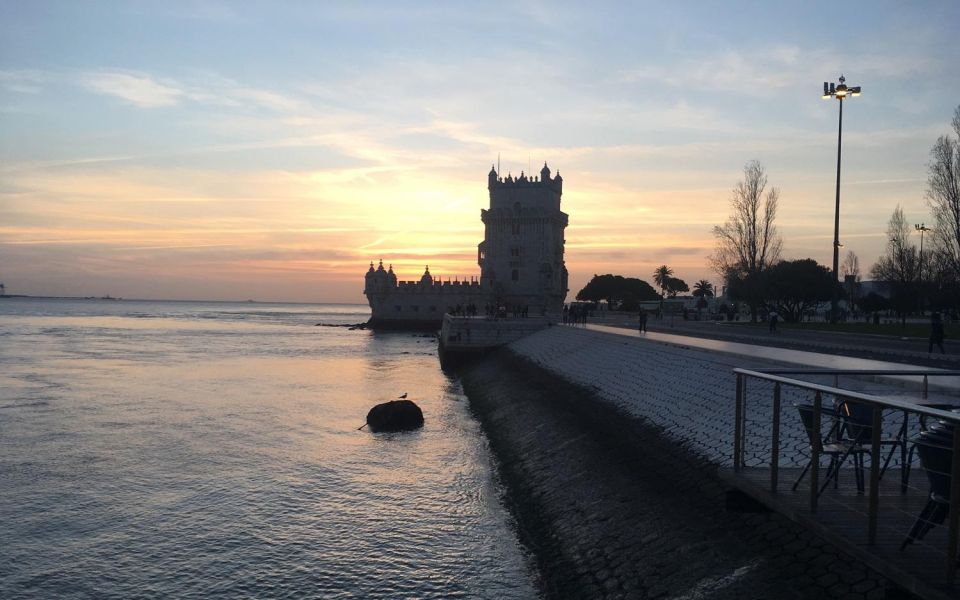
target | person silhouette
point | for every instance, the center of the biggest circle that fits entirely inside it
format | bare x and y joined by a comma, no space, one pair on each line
936,333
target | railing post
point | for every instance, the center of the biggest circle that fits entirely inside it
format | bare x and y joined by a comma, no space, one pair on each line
874,505
926,387
738,417
775,443
815,453
743,424
954,509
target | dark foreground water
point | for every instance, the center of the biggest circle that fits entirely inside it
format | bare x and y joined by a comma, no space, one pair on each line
173,449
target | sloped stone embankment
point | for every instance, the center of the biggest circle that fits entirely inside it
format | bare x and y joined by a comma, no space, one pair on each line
612,507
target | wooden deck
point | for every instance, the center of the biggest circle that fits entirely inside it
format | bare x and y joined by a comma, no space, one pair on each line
841,519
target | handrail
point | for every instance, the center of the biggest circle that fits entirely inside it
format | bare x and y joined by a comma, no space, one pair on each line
892,403
918,371
878,404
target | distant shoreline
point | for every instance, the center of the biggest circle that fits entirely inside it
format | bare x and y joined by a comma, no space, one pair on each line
111,298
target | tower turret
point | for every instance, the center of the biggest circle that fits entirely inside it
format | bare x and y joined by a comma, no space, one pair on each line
545,172
426,280
368,279
391,277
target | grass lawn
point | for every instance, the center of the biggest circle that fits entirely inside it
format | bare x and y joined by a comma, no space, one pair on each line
916,330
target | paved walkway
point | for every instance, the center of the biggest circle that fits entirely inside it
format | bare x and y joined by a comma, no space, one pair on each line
804,358
686,385
889,348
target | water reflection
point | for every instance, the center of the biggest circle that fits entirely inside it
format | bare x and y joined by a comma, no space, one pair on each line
219,456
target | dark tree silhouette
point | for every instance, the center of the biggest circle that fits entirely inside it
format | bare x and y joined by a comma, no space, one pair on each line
794,287
748,242
674,286
624,293
873,302
943,197
898,267
661,276
850,270
702,291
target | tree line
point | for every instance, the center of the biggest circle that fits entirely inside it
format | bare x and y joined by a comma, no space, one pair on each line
749,246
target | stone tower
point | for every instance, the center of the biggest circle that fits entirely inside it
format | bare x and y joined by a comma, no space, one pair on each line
521,256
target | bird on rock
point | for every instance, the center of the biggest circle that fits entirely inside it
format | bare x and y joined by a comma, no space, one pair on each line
404,395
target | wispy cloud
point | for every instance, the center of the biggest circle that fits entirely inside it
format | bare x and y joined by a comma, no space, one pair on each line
22,81
148,91
137,89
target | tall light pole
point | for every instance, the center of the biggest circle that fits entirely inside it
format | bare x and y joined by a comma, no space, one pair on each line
922,229
840,91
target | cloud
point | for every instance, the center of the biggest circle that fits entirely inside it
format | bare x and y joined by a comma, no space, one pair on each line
139,90
23,81
147,91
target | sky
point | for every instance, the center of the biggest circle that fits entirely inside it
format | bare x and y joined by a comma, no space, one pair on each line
271,151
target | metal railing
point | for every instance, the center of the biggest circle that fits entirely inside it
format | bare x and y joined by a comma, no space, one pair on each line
780,381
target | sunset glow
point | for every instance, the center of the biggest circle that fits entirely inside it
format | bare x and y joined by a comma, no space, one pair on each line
231,151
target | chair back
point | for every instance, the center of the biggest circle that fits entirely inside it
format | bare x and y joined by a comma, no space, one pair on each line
857,421
935,447
806,416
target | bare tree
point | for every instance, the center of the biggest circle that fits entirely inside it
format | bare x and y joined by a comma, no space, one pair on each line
748,243
850,266
899,266
943,197
850,269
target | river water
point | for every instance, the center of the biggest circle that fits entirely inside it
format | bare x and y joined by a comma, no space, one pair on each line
188,449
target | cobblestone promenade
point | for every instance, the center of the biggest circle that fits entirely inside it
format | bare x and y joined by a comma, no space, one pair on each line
689,393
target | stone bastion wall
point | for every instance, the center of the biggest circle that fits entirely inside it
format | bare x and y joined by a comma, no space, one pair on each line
608,449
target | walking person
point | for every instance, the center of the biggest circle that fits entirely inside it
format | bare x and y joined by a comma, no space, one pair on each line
643,321
936,333
774,317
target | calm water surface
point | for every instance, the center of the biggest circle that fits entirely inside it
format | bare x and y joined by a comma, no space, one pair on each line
175,449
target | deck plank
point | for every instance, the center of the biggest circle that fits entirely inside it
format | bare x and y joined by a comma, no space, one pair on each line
841,519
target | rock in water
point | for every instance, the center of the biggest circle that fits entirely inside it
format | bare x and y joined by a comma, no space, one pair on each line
396,415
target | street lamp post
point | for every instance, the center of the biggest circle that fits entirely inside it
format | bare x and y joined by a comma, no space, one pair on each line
839,91
922,229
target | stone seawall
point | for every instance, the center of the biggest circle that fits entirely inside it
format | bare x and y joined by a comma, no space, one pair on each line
612,506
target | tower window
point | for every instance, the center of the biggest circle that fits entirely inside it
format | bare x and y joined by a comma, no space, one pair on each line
515,252
515,275
516,229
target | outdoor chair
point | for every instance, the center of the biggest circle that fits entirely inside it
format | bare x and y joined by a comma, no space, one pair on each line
857,428
831,445
935,447
924,426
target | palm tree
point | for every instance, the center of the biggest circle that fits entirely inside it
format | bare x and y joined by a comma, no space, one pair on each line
703,290
661,277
